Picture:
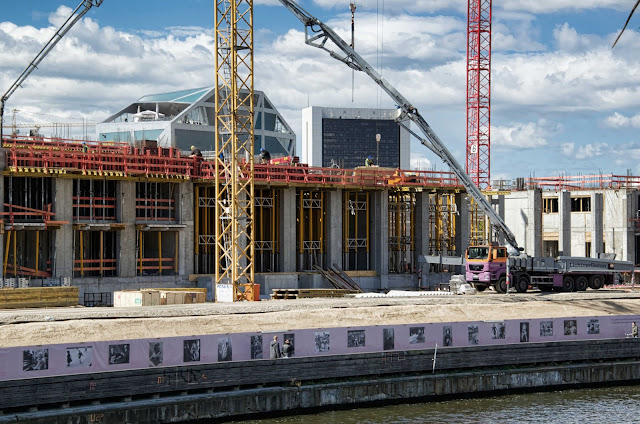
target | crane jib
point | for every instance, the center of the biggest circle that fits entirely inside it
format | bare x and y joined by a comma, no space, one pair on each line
352,59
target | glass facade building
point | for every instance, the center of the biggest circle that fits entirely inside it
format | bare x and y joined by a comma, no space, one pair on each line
345,137
185,118
348,142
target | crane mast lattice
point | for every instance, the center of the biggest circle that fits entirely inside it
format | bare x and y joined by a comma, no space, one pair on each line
234,184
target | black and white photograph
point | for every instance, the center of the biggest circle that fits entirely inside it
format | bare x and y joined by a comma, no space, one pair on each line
256,347
447,337
593,326
473,334
191,350
119,354
355,338
546,328
570,327
498,330
416,335
524,332
79,356
35,359
388,339
156,353
224,349
291,348
322,342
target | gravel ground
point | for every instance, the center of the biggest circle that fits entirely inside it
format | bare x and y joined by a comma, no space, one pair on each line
78,324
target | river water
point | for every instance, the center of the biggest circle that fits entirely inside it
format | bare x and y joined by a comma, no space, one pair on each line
615,405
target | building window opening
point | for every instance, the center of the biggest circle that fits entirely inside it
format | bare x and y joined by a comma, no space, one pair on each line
157,253
581,204
550,205
95,254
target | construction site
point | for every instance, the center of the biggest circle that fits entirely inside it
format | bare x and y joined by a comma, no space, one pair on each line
175,201
143,213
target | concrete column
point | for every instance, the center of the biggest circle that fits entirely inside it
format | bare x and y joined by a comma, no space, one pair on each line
334,239
186,236
421,225
596,225
534,230
287,259
63,245
126,214
564,223
380,236
462,223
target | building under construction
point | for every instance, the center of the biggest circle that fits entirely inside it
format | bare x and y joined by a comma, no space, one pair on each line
112,217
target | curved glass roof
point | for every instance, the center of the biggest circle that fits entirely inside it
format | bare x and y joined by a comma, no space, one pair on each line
184,96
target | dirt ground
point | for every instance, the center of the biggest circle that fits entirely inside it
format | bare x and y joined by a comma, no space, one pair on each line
79,324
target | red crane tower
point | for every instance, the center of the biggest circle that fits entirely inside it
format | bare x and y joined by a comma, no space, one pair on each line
479,92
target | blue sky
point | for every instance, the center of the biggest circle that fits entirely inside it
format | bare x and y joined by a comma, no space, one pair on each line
562,100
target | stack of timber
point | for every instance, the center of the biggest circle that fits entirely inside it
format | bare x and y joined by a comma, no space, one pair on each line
155,297
338,278
38,297
283,294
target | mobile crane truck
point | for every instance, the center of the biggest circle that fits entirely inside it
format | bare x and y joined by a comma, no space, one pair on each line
485,265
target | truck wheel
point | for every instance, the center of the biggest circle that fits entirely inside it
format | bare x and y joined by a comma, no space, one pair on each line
596,282
581,283
568,284
522,283
501,285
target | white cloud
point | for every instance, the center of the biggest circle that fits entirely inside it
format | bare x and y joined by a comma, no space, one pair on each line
420,162
550,6
568,148
590,150
528,135
618,120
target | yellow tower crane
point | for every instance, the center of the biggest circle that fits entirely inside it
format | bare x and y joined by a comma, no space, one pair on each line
234,185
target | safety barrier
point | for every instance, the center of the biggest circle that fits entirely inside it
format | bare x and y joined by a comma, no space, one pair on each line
56,156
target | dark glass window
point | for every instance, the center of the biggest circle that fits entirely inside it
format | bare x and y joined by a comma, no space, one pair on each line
351,141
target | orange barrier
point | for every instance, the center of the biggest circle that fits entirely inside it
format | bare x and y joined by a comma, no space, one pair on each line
56,156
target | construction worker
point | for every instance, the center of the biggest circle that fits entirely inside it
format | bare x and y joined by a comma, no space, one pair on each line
85,148
195,152
265,156
368,161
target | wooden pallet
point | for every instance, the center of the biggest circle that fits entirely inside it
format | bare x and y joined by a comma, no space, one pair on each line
284,294
38,297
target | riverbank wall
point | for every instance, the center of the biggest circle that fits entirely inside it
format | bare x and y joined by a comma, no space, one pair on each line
240,389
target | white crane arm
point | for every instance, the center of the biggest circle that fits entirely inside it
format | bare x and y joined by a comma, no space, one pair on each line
78,13
317,34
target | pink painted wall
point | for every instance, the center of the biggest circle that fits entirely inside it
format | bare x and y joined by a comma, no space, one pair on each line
81,358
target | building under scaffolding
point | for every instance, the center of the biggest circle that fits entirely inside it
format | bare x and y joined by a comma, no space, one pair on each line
117,217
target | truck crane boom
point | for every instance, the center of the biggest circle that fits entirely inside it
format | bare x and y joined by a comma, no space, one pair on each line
78,13
321,33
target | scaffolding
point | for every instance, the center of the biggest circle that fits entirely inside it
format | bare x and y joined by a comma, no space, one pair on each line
401,217
355,221
310,229
442,224
267,223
